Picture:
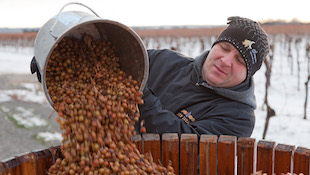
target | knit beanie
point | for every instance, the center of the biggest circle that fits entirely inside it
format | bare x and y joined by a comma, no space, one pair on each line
249,39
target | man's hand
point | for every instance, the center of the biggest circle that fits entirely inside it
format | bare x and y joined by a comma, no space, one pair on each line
34,68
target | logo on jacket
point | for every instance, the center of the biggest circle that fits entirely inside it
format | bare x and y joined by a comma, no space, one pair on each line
186,116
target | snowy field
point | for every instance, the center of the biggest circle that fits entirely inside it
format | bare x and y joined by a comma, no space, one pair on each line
287,127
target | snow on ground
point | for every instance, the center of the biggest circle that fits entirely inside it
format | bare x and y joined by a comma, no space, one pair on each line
22,95
15,61
47,136
26,118
287,127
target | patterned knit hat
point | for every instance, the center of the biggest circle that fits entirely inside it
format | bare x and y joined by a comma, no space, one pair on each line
249,39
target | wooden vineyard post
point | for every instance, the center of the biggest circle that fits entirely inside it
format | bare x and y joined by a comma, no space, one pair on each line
265,150
245,155
28,163
3,169
283,158
151,144
301,161
188,154
13,165
207,154
226,154
170,151
44,160
138,142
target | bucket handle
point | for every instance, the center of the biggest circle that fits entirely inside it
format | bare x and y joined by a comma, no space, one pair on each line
52,28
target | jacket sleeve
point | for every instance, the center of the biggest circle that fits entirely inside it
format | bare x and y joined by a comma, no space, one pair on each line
159,120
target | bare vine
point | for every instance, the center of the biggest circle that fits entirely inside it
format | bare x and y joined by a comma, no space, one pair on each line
297,43
307,81
270,112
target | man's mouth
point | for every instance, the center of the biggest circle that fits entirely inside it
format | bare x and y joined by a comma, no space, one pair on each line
220,70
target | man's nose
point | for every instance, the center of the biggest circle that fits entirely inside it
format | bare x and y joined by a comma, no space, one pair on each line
227,60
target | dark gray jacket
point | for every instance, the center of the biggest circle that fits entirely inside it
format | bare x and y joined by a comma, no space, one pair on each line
176,100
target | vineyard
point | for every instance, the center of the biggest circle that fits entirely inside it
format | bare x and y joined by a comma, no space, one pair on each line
288,60
188,32
281,89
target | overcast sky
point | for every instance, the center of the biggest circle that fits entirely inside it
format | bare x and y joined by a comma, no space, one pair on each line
35,13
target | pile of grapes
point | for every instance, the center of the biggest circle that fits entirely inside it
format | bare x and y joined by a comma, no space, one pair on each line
97,105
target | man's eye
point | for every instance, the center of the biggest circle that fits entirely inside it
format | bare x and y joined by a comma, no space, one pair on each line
224,48
240,60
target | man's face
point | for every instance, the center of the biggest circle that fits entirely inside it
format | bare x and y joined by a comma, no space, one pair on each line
224,66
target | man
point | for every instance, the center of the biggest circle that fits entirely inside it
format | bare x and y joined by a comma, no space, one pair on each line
211,94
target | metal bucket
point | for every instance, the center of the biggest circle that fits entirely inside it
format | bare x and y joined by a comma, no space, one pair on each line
128,45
